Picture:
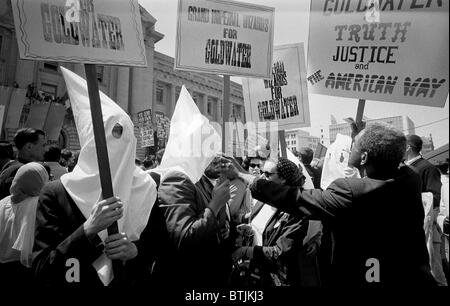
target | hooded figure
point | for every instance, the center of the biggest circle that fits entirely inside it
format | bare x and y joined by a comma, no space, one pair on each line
135,188
17,222
18,214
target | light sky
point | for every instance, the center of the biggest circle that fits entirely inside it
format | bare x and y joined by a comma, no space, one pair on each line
292,26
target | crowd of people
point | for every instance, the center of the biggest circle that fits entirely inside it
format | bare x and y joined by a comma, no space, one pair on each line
244,223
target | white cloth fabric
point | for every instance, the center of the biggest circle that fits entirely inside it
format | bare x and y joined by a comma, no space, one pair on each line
260,221
193,142
18,214
412,160
135,188
314,226
335,164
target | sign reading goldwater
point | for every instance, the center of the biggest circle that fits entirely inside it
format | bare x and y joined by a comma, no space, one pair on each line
284,97
82,31
393,51
224,37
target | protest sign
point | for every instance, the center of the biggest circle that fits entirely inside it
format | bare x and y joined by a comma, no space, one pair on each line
393,51
224,37
85,31
283,98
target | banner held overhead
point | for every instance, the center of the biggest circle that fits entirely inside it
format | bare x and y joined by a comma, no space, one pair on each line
393,51
224,37
283,98
97,32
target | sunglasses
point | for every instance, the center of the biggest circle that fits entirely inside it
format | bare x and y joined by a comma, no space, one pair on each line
255,165
268,174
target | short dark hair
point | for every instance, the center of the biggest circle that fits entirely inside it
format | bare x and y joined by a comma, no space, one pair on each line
415,142
6,150
307,155
66,154
26,135
53,153
384,144
147,163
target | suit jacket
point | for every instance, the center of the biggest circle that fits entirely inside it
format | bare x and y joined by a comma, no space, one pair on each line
366,215
60,236
198,256
431,179
7,176
285,232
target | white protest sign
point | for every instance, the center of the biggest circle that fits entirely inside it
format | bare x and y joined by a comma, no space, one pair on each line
393,51
224,37
284,98
82,31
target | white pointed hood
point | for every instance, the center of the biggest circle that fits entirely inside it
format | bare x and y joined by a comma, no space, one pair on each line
133,186
193,142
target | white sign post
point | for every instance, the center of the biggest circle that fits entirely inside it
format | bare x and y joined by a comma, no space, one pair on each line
393,51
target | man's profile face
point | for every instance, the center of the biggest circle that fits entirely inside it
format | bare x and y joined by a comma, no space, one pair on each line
355,154
37,149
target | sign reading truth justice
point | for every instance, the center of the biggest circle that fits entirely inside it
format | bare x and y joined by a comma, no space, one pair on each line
385,50
82,31
224,37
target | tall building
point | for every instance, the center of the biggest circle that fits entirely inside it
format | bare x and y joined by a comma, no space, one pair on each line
296,139
402,123
28,86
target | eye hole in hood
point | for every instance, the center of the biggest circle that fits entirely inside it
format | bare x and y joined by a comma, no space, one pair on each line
117,131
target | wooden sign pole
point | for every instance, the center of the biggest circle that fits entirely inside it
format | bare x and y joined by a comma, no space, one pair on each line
225,108
99,137
360,113
282,140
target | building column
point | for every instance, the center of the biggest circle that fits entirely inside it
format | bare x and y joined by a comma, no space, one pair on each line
123,76
173,100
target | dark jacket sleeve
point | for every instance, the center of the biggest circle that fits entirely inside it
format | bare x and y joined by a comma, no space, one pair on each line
290,240
313,204
55,241
432,181
188,223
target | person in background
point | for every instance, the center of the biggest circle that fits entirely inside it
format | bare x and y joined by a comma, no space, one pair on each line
66,156
197,220
278,235
365,213
30,144
6,154
442,218
148,163
159,156
429,174
255,165
306,156
52,156
138,162
17,220
73,161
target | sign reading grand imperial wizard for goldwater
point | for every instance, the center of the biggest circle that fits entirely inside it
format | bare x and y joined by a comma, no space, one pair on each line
82,31
224,37
385,50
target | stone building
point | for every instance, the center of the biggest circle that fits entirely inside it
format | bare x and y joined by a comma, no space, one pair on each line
25,84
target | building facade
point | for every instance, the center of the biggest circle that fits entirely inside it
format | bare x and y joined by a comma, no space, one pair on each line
155,87
402,123
296,139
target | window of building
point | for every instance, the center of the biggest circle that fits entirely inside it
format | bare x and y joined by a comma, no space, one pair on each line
159,95
49,89
209,106
100,73
51,66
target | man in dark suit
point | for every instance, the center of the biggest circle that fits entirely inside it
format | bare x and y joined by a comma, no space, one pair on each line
198,227
31,145
429,174
366,214
306,155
